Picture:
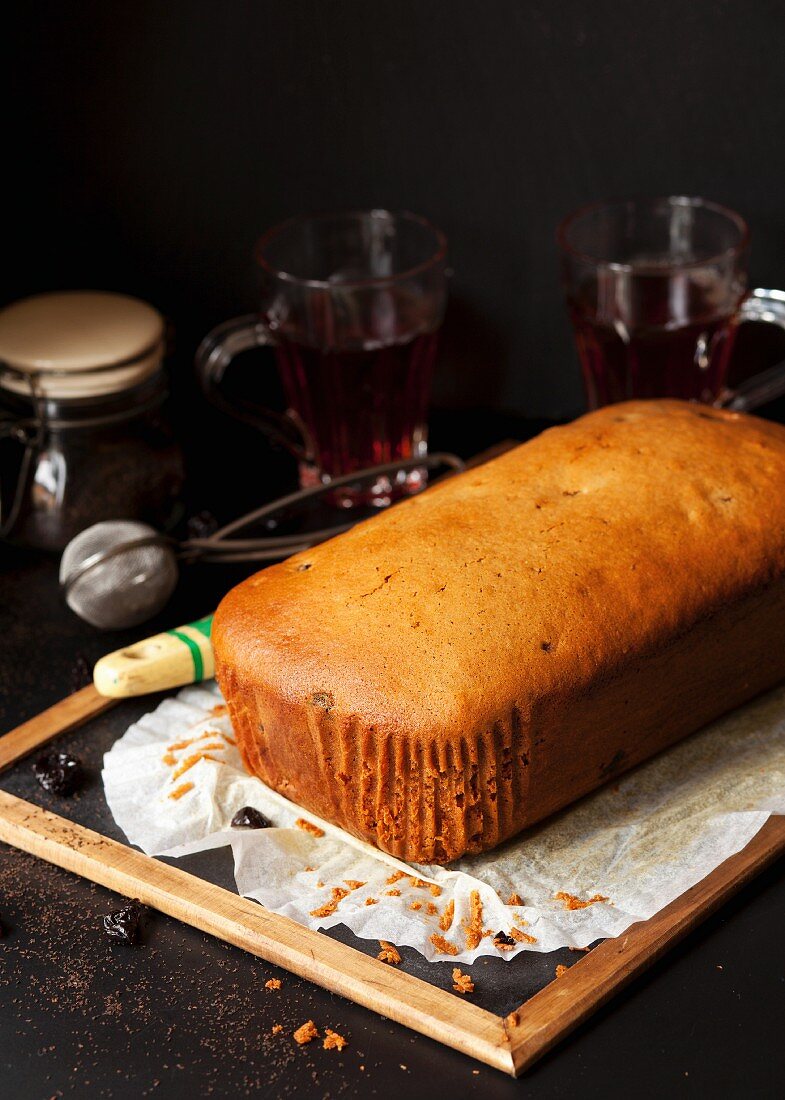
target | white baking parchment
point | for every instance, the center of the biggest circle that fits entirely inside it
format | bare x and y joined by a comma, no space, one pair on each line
638,843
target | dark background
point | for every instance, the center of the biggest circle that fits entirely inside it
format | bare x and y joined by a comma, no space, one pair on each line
149,144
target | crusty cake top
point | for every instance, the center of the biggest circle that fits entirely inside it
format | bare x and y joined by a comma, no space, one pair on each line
558,562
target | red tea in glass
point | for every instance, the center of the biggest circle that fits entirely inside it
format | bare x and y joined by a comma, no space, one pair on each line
351,304
655,289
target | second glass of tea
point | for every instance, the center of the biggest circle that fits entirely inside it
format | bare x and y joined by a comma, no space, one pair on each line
351,304
656,289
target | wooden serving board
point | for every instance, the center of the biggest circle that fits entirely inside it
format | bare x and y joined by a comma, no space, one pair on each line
510,1043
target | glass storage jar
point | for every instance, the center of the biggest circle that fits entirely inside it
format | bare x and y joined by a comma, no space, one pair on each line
82,431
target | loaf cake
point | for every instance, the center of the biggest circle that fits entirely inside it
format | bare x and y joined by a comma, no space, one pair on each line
475,658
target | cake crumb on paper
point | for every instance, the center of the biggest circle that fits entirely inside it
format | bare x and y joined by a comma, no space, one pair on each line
442,945
306,1033
396,876
431,909
371,901
473,926
445,920
272,983
394,893
177,745
522,937
435,890
571,902
309,827
462,983
178,792
353,883
416,905
514,899
329,907
192,760
389,954
333,1041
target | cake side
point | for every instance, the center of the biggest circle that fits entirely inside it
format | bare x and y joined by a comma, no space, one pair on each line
431,802
403,678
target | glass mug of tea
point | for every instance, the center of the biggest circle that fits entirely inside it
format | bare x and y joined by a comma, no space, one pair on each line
656,289
351,304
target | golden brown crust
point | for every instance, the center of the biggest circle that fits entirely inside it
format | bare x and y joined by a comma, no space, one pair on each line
467,662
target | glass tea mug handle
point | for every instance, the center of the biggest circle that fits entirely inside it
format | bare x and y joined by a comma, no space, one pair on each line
767,306
215,354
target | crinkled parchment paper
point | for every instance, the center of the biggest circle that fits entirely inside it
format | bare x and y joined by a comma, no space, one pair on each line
638,842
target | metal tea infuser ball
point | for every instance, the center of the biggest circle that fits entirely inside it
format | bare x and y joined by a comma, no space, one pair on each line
120,573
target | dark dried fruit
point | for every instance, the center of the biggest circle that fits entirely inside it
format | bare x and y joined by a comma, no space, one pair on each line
501,939
58,772
249,818
123,924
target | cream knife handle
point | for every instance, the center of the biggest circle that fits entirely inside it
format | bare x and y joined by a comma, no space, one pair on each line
177,657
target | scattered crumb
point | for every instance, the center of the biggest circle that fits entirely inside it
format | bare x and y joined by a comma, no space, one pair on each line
581,949
514,899
513,1019
228,739
177,745
415,905
520,919
169,759
353,883
419,883
476,1072
718,965
445,920
277,1029
435,890
333,1041
309,868
462,983
570,901
473,926
371,901
309,827
306,1033
503,941
442,945
431,909
561,970
388,954
319,884
218,710
273,983
396,876
329,907
522,937
191,760
178,792
393,893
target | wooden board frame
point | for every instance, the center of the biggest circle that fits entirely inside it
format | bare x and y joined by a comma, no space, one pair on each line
510,1043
